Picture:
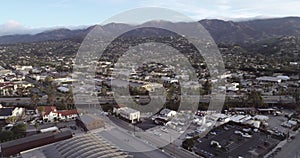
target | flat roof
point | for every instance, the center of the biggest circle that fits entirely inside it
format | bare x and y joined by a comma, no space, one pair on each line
128,110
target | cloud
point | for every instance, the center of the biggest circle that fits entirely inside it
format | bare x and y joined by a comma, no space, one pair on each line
14,27
229,9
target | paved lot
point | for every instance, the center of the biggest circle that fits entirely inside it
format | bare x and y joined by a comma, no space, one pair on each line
291,149
275,123
232,144
146,124
155,137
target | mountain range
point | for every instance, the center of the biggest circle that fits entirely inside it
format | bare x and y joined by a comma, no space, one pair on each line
227,32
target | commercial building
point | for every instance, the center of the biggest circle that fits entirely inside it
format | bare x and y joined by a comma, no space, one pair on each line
127,113
87,146
16,146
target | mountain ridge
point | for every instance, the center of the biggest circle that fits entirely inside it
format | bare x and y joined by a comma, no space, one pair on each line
229,32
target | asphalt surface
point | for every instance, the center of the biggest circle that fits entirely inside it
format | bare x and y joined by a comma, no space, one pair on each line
291,149
171,149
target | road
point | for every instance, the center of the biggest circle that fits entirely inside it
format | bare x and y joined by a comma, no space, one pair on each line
291,149
172,149
142,99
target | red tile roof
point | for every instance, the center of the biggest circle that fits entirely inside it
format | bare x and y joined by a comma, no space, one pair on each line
48,109
68,112
53,109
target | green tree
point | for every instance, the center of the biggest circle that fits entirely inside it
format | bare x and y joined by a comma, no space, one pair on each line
255,99
48,80
188,144
11,120
6,136
69,98
19,129
103,90
35,100
41,110
36,126
51,94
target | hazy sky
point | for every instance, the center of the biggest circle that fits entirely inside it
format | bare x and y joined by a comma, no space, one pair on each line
22,16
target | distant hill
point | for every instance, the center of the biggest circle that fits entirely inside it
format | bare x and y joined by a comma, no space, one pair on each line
228,32
252,31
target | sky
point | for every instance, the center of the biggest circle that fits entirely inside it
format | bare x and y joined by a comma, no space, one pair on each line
32,16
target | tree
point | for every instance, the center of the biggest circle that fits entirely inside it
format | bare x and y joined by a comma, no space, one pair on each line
6,136
188,144
255,99
20,91
51,94
19,128
11,120
36,126
296,96
41,110
207,87
103,90
48,80
69,98
35,100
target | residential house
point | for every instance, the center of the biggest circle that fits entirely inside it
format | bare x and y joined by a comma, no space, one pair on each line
50,113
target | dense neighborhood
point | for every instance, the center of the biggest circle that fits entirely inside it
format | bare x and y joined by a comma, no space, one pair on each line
39,105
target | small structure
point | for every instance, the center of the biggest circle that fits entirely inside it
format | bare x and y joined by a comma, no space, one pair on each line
151,87
167,113
50,129
271,79
63,89
127,113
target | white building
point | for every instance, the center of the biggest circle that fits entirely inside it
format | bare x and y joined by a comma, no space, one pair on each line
128,113
269,79
63,89
50,113
168,113
151,87
6,112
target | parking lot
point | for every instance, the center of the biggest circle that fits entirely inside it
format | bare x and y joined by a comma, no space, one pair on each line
230,142
275,123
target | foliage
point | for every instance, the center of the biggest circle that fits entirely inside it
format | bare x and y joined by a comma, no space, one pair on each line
254,98
188,144
16,132
11,120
